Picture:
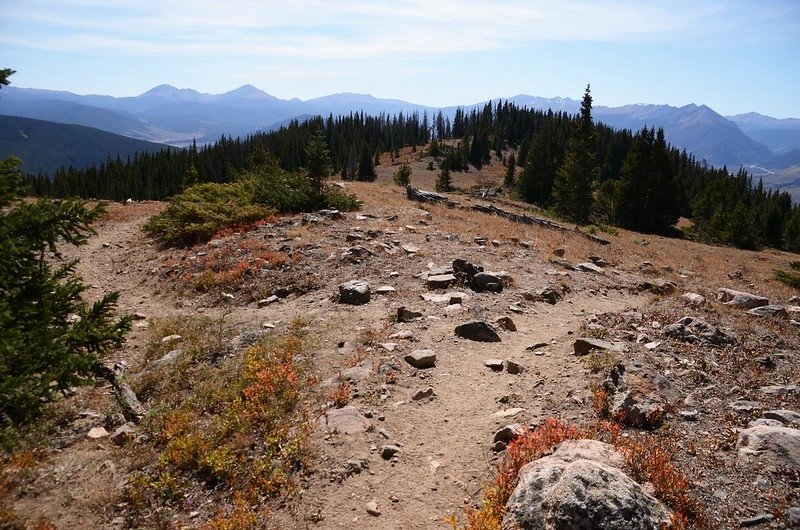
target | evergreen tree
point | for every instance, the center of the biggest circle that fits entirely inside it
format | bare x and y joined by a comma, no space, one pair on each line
536,180
402,176
443,179
366,171
511,167
572,189
318,167
51,337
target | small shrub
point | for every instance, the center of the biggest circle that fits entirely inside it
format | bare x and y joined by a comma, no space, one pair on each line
339,200
202,210
402,176
789,278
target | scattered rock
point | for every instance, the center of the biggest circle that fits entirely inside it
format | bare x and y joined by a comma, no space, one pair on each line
789,418
477,330
421,359
407,315
440,281
779,446
465,269
506,323
514,368
581,485
389,346
385,289
741,299
124,434
515,308
694,298
388,451
693,329
772,311
484,281
659,286
354,292
168,358
585,345
589,267
97,432
372,509
549,295
508,434
405,334
494,364
410,249
756,520
346,420
171,338
423,393
638,396
559,252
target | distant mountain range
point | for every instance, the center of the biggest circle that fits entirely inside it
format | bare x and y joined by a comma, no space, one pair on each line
166,114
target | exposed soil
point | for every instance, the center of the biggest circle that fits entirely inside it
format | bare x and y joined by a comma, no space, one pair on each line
445,441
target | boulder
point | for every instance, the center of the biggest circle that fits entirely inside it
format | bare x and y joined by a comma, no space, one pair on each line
771,311
548,294
354,292
465,269
584,345
779,446
659,286
694,298
421,359
485,281
638,396
346,420
477,330
741,299
581,485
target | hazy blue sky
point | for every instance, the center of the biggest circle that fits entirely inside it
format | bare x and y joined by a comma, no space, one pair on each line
735,56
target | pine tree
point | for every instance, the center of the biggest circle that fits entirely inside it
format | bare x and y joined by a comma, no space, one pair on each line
366,171
511,167
51,338
443,180
318,167
402,176
572,189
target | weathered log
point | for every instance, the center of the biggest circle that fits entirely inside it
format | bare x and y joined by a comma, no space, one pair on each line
132,408
530,220
426,196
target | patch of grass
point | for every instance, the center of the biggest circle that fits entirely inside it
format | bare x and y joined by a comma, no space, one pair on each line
787,277
238,429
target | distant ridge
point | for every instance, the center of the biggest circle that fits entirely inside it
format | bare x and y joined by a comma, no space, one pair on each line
46,146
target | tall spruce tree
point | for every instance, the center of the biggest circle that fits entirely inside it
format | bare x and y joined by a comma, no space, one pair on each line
572,189
366,170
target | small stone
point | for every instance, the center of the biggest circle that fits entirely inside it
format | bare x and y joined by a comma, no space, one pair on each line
514,308
410,249
372,509
423,393
405,334
421,359
509,433
477,330
694,298
97,432
354,292
406,315
756,520
538,345
590,267
494,364
508,413
388,451
440,281
124,434
506,323
514,368
688,414
584,345
139,316
171,338
389,346
385,289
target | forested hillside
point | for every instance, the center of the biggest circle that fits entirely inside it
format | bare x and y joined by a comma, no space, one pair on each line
583,171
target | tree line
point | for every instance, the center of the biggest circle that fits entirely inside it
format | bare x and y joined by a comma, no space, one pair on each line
581,170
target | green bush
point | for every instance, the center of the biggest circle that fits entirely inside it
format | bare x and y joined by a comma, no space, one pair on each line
402,176
51,338
202,210
195,215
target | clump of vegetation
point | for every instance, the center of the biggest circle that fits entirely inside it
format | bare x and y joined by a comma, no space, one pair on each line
790,277
647,459
51,336
242,422
443,180
202,210
402,177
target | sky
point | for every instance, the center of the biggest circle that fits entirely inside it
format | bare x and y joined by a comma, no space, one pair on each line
734,56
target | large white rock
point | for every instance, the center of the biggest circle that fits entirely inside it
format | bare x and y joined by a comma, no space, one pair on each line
581,485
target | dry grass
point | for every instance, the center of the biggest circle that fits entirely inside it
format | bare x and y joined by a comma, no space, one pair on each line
236,429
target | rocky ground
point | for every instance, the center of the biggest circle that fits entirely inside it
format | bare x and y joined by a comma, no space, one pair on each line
583,329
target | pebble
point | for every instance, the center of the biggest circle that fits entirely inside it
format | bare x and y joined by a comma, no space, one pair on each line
372,508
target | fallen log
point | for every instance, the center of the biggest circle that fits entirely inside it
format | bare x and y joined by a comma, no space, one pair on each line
132,408
426,196
530,220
